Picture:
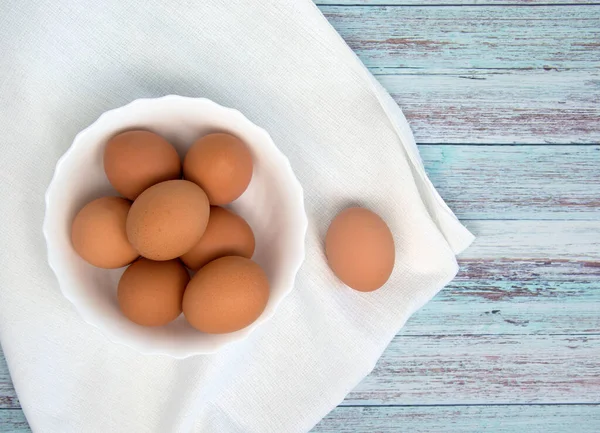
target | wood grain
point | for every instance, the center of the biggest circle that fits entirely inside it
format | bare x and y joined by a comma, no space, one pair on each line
471,37
484,369
514,297
484,74
492,182
13,421
500,107
547,240
461,419
8,397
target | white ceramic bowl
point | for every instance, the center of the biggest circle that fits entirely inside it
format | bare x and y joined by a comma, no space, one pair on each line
273,205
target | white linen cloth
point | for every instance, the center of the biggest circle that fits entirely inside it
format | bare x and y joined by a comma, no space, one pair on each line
63,63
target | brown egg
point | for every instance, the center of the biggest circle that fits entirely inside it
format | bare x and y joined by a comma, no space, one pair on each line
98,233
227,234
226,295
136,160
360,249
221,164
150,293
168,219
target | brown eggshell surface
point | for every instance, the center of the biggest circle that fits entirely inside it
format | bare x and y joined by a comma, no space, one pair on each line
360,249
151,293
98,233
136,160
226,295
221,164
168,219
227,234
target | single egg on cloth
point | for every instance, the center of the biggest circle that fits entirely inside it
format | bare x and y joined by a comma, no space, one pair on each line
168,219
98,233
151,293
360,249
226,234
221,164
136,160
226,295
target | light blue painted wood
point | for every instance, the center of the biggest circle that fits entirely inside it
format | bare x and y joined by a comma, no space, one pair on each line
483,369
8,398
460,419
500,107
431,38
523,297
13,421
484,74
541,87
517,182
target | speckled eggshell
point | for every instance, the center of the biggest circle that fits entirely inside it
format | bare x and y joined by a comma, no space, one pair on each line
151,293
168,219
136,160
226,295
227,234
98,233
221,164
360,249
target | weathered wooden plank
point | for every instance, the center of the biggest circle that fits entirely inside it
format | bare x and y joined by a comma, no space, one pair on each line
501,107
462,419
547,240
482,369
471,37
8,397
484,74
452,2
517,182
13,421
514,297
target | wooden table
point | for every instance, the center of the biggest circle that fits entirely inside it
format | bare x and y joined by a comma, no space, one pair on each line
504,99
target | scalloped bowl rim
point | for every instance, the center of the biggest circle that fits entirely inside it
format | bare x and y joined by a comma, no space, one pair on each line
294,189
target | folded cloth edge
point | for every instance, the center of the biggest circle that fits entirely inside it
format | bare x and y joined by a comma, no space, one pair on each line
457,235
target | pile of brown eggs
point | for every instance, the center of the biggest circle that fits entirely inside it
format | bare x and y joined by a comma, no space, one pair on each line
164,223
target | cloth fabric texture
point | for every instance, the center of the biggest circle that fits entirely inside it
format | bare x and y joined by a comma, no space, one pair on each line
65,62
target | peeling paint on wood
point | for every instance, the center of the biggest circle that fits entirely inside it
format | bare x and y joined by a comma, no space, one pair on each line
8,397
484,74
461,419
498,182
471,37
484,369
547,240
514,297
13,421
499,107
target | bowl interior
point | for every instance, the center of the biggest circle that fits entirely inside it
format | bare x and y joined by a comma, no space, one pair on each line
272,205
